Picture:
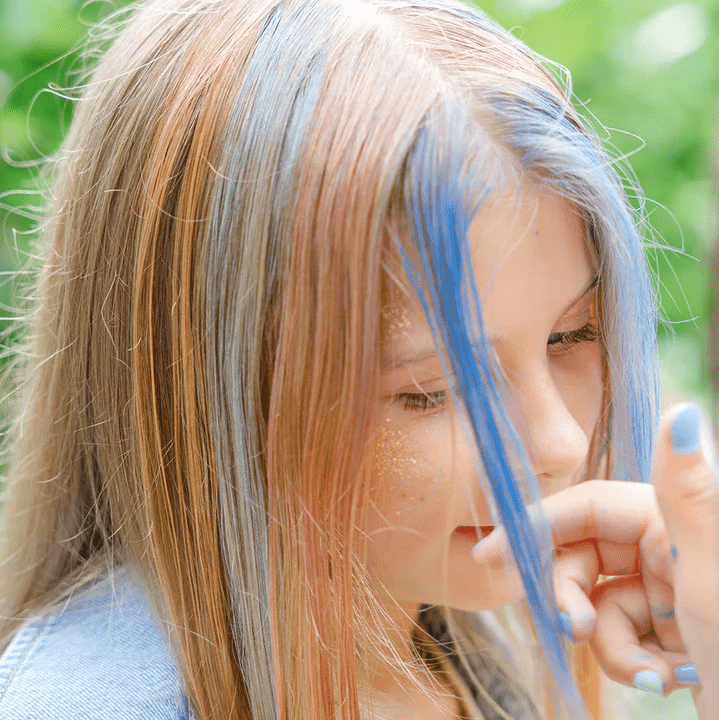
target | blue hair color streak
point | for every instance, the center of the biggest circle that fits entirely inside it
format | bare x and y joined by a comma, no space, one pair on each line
441,197
439,216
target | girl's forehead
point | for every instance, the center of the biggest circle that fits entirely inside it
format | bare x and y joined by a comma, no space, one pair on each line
530,261
541,234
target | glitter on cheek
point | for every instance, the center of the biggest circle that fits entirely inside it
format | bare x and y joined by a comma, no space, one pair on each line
400,475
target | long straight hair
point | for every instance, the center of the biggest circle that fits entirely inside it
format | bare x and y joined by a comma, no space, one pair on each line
202,355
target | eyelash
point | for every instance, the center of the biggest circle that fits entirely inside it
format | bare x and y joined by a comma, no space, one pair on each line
565,340
421,402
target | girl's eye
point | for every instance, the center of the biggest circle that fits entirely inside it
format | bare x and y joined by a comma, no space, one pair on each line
422,401
562,342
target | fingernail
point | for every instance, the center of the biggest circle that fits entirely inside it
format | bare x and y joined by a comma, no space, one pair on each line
673,550
648,680
685,430
566,625
662,614
686,674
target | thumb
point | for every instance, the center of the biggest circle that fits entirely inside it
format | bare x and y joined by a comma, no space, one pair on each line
688,496
686,485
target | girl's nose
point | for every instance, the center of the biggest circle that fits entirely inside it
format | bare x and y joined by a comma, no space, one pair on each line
557,443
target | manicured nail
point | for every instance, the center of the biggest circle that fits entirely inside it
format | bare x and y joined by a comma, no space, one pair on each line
674,552
566,625
648,680
685,430
662,614
686,674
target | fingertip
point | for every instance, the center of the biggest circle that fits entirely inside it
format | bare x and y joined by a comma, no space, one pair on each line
577,615
649,681
488,551
478,551
685,429
566,625
578,626
686,674
685,459
584,627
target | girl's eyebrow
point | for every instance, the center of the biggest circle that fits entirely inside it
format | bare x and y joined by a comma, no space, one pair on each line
427,351
423,353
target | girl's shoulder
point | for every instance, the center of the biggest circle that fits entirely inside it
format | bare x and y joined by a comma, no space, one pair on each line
100,655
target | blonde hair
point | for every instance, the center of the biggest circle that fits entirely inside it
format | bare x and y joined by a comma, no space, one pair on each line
202,354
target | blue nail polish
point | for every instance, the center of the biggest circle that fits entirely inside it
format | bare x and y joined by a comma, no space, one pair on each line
565,624
674,552
686,674
685,430
642,657
662,614
648,680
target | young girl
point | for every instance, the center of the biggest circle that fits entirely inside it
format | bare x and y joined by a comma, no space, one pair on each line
330,290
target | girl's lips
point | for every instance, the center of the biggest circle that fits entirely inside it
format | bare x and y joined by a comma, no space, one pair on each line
474,533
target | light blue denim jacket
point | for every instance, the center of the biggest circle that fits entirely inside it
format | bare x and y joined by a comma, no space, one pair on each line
100,656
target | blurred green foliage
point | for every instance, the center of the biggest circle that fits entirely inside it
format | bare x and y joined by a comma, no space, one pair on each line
649,69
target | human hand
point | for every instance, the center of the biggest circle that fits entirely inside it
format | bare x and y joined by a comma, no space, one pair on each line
601,527
688,495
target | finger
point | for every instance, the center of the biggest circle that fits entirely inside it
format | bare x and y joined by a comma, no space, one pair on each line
615,514
660,600
576,571
657,578
688,498
614,511
623,643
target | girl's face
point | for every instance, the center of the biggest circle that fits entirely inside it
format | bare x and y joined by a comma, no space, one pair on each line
535,280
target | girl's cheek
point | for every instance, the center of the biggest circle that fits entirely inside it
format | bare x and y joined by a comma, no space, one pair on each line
403,477
583,387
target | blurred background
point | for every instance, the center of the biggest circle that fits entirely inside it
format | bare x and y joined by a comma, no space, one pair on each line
647,70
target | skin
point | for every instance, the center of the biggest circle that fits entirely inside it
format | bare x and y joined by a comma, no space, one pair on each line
532,269
663,611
